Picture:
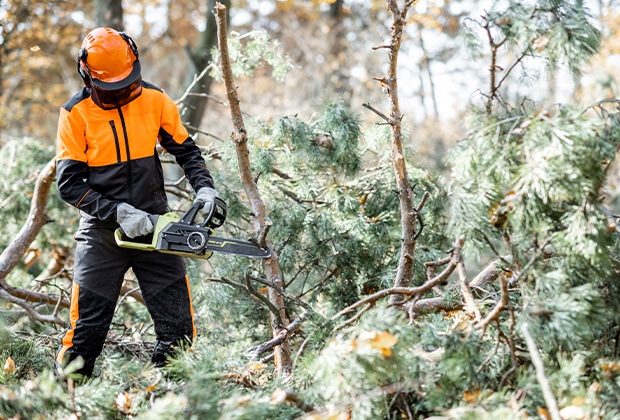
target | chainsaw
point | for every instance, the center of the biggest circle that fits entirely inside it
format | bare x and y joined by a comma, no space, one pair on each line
172,235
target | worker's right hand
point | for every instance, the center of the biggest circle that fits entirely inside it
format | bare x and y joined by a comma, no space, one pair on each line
134,222
207,197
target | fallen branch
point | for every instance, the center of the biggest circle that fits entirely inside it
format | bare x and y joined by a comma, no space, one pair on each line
37,218
30,310
255,352
15,251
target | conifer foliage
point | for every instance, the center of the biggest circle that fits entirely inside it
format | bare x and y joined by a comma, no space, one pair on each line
511,308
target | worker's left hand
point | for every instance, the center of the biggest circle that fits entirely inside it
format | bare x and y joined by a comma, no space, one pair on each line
207,196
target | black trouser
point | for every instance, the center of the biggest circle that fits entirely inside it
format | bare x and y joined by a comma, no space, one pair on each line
100,267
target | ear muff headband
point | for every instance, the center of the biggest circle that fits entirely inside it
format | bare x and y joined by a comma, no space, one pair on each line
130,41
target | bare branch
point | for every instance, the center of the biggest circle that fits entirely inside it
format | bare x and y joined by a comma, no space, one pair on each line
410,291
376,111
194,82
494,314
274,311
545,387
280,337
30,310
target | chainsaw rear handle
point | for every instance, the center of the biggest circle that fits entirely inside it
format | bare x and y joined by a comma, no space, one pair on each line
122,241
216,216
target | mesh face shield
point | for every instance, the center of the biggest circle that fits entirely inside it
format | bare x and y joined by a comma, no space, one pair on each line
110,99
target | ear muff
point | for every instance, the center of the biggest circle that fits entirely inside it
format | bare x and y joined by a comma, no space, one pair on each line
81,65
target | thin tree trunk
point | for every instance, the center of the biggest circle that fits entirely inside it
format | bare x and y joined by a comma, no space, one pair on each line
408,213
282,353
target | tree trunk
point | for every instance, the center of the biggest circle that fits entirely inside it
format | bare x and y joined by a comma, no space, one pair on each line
195,106
109,13
282,353
408,213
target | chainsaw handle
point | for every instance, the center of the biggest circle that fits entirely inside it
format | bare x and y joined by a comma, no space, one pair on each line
216,216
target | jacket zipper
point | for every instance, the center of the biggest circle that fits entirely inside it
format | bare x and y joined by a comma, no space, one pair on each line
116,140
126,138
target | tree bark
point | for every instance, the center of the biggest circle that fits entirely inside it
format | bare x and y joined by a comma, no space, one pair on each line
109,13
282,353
408,212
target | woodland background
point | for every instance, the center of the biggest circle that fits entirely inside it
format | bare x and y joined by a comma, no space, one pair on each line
437,180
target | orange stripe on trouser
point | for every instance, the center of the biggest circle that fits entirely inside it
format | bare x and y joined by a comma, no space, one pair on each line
67,341
191,308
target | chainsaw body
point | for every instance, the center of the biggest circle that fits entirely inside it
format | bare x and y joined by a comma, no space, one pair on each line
172,235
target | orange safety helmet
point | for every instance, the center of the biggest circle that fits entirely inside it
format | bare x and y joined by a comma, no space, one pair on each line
108,59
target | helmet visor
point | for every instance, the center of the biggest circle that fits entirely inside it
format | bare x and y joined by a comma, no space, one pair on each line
121,84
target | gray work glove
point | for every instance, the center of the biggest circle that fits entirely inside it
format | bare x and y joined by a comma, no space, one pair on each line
133,221
207,196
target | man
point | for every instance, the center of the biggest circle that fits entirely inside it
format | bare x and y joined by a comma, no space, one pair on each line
108,168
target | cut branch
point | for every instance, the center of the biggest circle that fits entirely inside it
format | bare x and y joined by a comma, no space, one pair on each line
408,217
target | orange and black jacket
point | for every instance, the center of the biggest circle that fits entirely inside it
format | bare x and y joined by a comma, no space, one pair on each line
105,157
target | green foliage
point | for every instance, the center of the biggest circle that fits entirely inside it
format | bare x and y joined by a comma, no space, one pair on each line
536,179
249,51
526,188
22,356
549,31
356,365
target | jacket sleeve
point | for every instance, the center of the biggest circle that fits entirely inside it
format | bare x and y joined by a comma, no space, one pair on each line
72,170
173,137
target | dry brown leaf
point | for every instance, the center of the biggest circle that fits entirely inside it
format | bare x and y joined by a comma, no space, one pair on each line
256,366
471,396
544,414
9,366
383,341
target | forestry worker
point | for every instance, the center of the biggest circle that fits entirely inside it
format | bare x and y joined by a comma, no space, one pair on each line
108,168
